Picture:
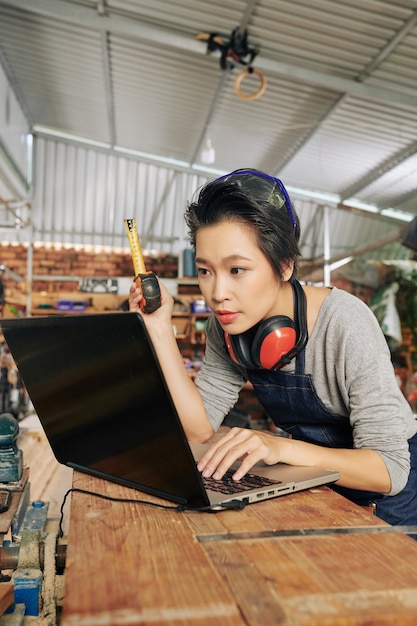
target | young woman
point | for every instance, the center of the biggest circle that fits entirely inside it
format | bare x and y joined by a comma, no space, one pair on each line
316,357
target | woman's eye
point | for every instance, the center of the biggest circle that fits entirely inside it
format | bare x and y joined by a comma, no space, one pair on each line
202,271
237,270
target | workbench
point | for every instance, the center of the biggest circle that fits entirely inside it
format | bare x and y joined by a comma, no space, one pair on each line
309,558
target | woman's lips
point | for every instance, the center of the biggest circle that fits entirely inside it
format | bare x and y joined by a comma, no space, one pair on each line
226,317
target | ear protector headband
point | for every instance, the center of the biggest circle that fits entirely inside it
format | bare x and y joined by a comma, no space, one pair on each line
273,343
278,189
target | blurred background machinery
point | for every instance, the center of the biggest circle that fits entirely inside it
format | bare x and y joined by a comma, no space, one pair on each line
32,554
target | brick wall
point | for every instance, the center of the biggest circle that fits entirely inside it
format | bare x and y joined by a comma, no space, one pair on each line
74,261
85,263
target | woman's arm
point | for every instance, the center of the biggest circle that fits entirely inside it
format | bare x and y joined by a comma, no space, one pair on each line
354,376
185,394
359,469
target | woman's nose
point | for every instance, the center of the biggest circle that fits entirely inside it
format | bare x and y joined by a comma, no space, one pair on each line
219,291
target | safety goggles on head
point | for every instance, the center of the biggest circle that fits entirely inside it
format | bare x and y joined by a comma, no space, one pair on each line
278,191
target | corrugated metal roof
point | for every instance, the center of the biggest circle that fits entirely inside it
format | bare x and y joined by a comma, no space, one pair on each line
338,116
97,191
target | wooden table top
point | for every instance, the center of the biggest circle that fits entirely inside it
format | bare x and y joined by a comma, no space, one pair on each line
309,558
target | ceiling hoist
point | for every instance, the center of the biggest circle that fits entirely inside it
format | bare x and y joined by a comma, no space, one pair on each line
235,50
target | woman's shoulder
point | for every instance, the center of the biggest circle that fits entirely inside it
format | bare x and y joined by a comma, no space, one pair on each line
345,312
343,303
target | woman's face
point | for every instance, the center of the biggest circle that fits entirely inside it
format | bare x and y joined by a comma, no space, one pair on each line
235,277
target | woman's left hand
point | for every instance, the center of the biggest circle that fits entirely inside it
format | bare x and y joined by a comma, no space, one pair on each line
359,468
240,444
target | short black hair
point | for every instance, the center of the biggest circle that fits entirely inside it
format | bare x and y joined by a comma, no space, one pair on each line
256,200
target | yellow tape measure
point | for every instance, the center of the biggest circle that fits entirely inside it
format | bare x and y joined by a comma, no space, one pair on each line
151,293
135,247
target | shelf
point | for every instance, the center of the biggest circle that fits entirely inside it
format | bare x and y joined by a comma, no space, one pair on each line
44,303
35,312
190,314
187,280
186,330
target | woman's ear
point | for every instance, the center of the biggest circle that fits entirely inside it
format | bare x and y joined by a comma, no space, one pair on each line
287,268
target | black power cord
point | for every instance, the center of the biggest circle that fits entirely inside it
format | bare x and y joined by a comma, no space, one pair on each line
231,504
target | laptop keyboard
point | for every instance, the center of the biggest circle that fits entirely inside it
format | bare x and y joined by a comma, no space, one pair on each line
229,486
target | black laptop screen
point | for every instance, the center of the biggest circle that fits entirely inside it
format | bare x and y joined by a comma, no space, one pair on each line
98,390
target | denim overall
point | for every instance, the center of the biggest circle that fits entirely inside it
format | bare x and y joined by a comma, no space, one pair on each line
291,401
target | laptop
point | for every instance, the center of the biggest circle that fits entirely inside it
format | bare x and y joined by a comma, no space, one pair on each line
99,392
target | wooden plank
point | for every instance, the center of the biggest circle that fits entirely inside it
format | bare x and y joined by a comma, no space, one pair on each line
38,456
333,580
60,481
135,564
49,480
130,563
313,508
6,596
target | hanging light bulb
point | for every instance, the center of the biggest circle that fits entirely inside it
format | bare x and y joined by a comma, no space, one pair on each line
208,153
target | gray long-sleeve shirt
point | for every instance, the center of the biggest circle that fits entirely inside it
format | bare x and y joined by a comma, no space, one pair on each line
349,359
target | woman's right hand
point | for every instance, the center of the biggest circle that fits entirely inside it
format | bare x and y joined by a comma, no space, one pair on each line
162,315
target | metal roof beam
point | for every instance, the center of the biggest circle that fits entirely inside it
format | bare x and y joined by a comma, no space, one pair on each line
380,170
224,77
366,72
131,27
397,39
13,177
206,132
309,271
399,200
310,133
108,85
17,92
148,236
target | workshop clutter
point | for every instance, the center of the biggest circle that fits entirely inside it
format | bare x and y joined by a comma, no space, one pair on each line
57,273
199,306
71,305
13,395
32,552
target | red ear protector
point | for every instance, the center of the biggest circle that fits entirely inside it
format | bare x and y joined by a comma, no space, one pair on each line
273,343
